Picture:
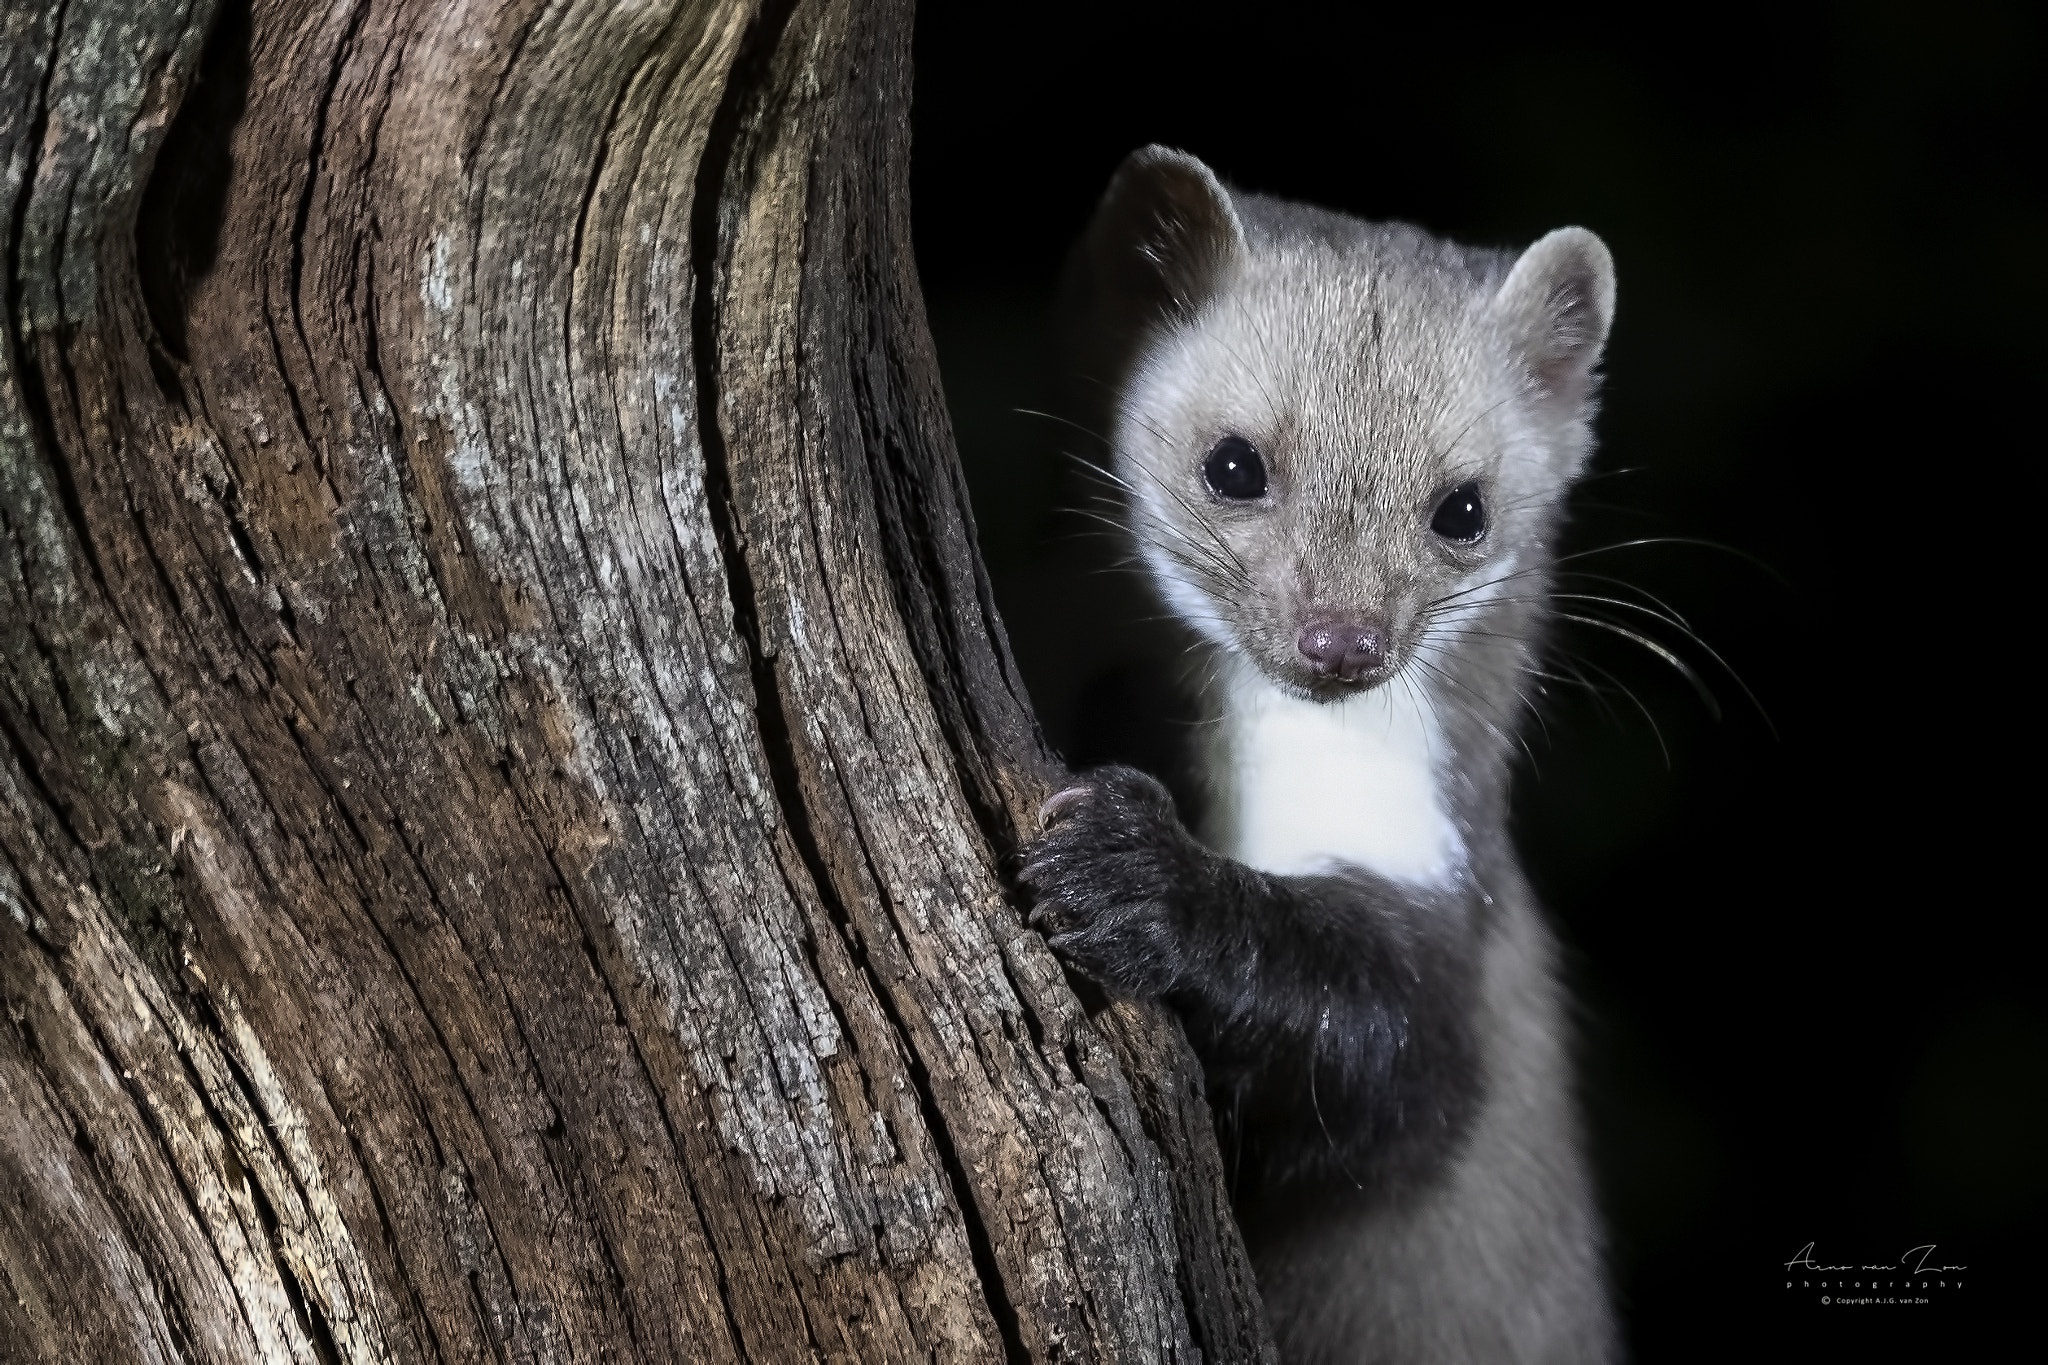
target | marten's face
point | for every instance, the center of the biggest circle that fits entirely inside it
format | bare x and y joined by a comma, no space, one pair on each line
1334,469
1342,445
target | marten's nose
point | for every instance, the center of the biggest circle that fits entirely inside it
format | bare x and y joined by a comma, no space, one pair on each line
1344,650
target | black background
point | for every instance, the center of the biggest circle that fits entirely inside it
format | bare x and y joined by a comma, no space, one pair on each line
1806,960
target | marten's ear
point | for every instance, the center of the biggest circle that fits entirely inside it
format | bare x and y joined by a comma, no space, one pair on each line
1557,305
1163,234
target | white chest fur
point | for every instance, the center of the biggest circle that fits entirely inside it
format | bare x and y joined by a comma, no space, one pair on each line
1307,787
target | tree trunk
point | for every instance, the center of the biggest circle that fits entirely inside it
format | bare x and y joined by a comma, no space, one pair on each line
508,748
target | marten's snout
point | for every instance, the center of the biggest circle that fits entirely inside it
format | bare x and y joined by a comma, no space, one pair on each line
1345,650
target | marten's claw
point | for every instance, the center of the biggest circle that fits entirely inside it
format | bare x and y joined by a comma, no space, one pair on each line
1033,872
1060,802
1106,878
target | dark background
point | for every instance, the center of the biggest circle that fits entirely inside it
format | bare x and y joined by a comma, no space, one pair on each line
1805,958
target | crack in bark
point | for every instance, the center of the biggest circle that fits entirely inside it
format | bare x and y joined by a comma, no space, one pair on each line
303,211
395,1244
314,451
184,201
31,773
150,1121
27,376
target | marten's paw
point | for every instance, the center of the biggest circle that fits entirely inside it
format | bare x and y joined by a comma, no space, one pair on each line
1113,877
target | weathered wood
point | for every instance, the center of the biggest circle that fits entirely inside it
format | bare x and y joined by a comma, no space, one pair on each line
508,747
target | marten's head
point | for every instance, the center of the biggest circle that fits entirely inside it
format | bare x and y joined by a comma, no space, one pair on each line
1337,441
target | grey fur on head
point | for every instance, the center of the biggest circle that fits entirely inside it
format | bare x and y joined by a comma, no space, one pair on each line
1373,366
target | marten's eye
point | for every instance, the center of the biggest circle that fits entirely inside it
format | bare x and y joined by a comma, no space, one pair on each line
1234,470
1460,516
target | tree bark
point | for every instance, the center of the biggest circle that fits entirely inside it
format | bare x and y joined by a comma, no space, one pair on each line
508,749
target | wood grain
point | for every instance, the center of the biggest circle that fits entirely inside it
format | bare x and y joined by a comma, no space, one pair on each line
509,752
